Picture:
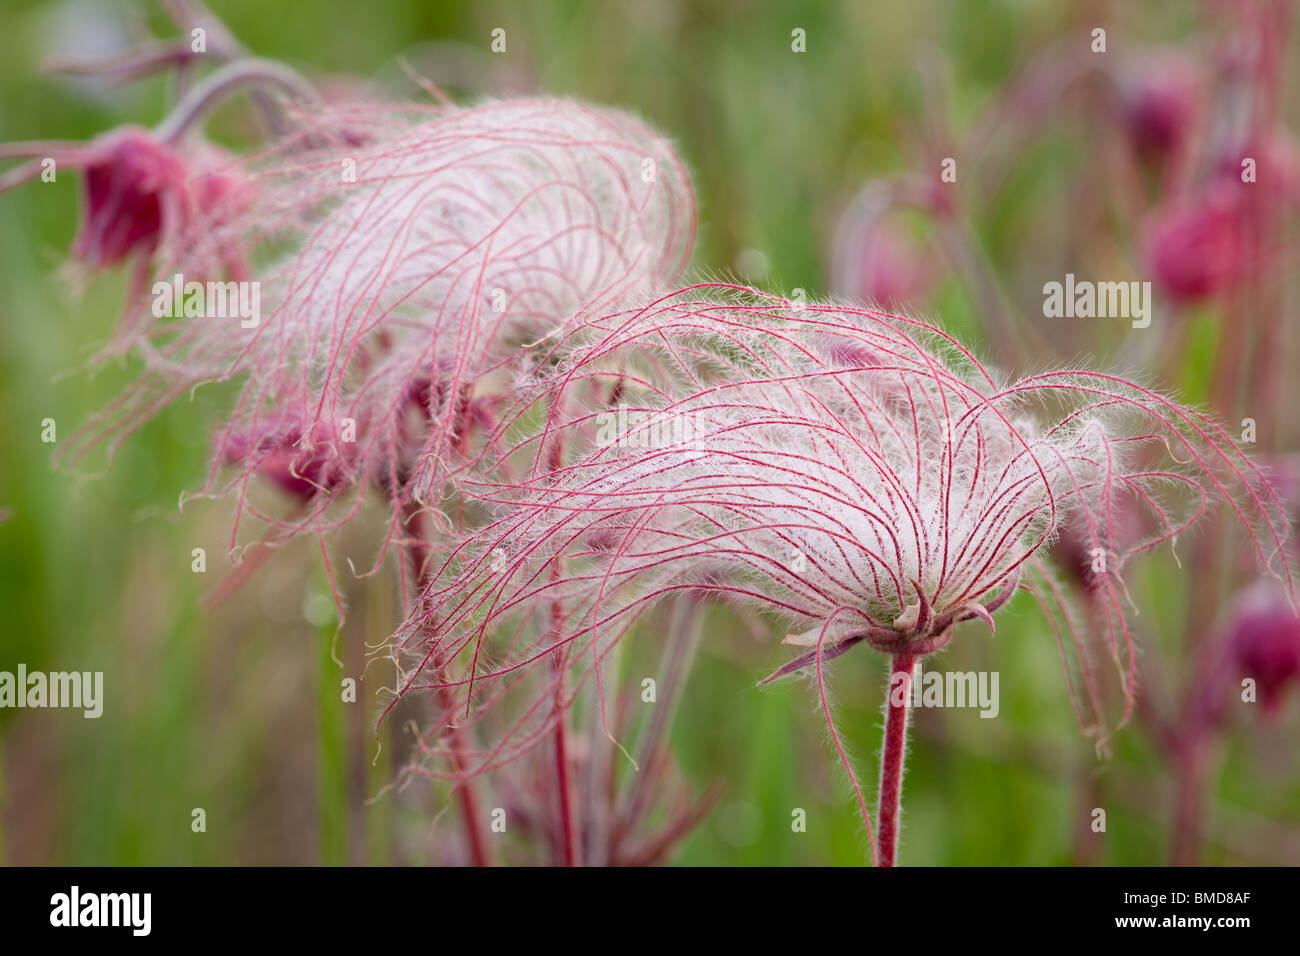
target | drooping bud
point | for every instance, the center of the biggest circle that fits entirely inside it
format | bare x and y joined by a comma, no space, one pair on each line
1196,248
1264,638
1159,102
303,458
134,189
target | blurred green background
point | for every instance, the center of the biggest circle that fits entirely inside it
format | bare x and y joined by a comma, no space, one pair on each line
237,711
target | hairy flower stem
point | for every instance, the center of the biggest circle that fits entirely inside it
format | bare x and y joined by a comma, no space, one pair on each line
892,753
417,551
479,853
564,783
563,778
205,96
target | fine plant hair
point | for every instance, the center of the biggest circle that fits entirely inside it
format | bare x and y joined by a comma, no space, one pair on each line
857,476
408,256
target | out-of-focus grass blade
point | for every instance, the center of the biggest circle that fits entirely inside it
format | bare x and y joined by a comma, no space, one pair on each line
331,744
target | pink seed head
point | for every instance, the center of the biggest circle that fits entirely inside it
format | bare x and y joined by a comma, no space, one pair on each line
407,275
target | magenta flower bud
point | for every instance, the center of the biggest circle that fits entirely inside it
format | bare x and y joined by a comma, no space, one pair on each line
1160,102
1196,248
301,459
1264,638
135,193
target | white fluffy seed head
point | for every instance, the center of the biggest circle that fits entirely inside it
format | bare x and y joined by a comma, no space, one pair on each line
405,256
830,462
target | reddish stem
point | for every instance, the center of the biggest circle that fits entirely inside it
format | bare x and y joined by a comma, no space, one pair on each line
893,751
565,783
478,848
218,85
417,556
563,779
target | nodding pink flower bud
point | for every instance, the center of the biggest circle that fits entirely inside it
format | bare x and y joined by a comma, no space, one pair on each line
1264,639
1196,248
1160,101
875,260
302,459
141,193
135,195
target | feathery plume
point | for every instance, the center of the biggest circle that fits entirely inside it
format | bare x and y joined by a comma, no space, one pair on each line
403,256
858,476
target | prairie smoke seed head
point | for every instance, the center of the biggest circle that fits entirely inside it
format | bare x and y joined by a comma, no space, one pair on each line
858,475
396,244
